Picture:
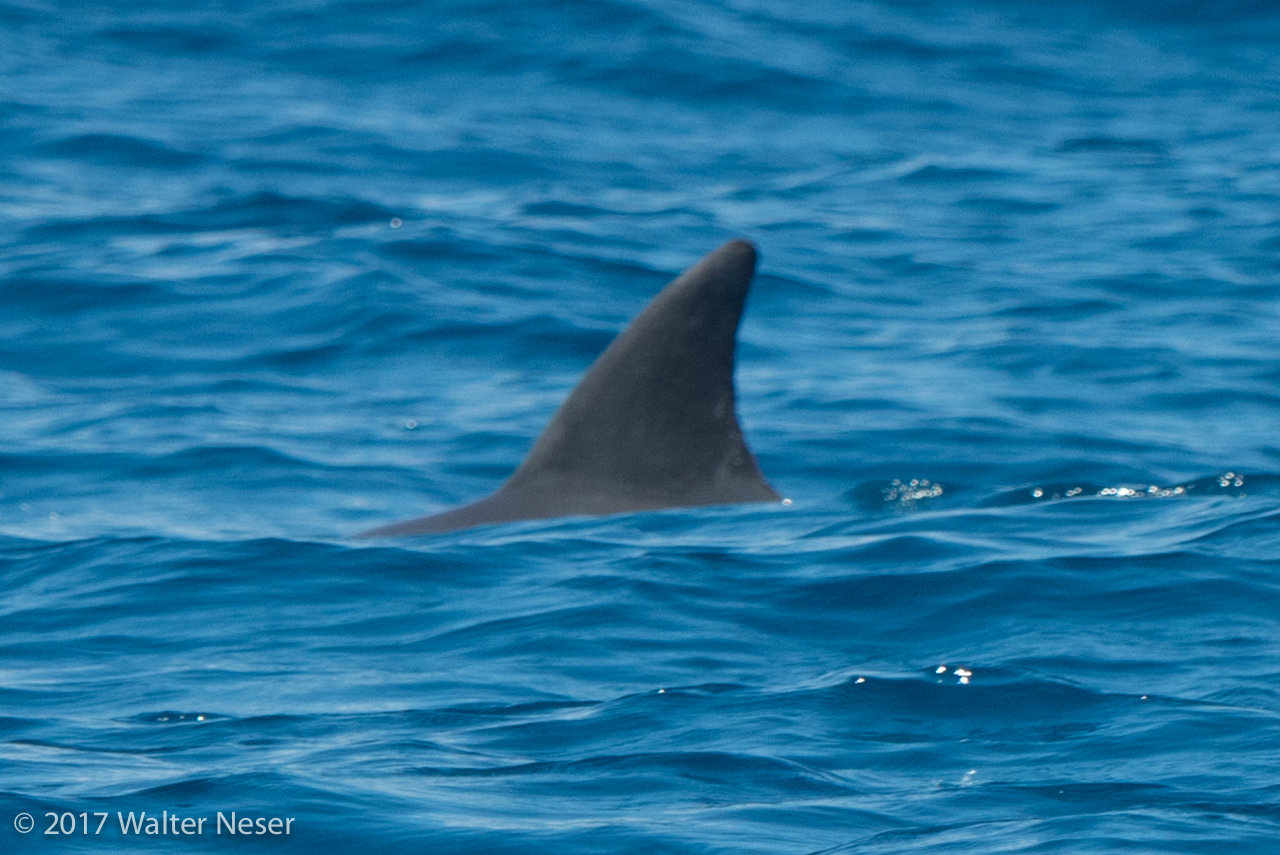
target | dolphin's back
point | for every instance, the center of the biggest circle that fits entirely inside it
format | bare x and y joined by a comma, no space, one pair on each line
652,424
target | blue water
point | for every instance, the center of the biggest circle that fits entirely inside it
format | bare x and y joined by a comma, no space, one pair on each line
273,274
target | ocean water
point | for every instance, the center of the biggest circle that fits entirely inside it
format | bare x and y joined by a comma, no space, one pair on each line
273,274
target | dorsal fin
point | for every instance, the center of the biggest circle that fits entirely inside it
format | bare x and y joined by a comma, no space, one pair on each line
652,424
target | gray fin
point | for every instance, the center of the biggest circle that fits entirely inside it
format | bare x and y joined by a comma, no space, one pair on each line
652,424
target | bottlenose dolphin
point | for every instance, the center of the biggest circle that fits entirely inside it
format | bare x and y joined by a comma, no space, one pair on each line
652,424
